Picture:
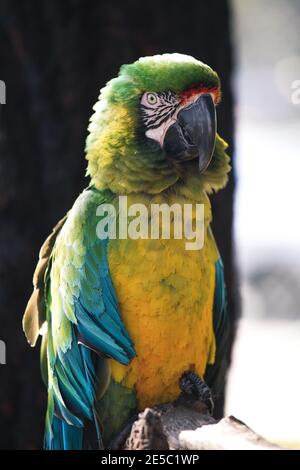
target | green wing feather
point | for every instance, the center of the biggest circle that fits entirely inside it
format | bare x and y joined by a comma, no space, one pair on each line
35,312
82,318
215,375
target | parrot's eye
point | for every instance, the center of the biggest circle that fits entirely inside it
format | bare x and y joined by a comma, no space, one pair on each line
157,108
151,98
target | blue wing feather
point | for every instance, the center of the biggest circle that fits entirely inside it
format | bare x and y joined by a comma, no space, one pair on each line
89,299
215,374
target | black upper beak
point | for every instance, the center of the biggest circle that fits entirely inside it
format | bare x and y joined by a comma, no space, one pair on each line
194,132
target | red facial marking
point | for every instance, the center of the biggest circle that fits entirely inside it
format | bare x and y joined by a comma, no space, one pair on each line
215,91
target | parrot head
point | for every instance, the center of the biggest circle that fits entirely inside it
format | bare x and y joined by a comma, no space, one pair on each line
155,124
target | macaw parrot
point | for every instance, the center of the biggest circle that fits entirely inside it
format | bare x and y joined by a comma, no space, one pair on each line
122,319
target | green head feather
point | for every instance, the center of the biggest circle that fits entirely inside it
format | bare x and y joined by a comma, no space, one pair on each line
120,156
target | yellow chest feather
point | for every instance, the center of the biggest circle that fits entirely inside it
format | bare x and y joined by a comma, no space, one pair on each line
165,293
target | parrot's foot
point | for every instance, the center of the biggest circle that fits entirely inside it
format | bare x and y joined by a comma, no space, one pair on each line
195,392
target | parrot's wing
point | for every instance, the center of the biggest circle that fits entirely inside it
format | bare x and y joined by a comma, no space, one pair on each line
35,312
82,317
215,374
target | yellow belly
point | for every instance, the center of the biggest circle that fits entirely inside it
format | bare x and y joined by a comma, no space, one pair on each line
166,299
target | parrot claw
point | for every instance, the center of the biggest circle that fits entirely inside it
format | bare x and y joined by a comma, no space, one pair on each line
195,392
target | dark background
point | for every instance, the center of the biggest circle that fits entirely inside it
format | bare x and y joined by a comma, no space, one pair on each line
54,58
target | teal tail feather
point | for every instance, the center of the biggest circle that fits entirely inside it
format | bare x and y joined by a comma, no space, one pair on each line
70,411
65,436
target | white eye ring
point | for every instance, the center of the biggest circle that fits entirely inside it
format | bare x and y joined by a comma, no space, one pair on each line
151,98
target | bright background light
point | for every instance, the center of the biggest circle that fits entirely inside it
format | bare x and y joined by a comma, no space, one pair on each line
264,382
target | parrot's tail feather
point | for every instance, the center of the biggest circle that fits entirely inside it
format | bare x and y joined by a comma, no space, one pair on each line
71,420
64,436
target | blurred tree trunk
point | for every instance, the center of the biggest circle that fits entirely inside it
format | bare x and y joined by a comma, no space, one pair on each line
55,55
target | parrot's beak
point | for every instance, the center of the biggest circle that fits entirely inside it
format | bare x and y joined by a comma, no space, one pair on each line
194,132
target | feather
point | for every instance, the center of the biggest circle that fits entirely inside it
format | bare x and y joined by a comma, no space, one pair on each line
83,318
35,312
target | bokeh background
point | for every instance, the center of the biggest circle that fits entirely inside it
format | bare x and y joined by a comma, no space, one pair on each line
54,58
264,383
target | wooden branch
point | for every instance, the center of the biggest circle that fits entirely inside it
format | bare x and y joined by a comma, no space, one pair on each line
172,426
188,424
228,434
